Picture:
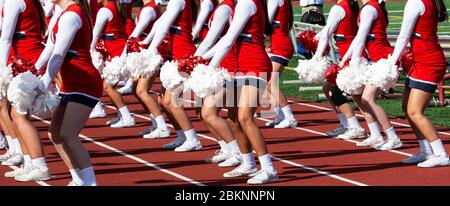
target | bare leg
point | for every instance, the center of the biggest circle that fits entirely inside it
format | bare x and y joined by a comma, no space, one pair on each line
28,134
369,101
210,114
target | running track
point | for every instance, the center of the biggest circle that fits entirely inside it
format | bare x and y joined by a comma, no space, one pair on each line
303,156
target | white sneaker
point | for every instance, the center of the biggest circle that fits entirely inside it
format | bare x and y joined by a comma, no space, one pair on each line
417,158
157,134
435,161
147,131
14,160
371,141
15,172
97,113
286,123
75,183
353,133
274,122
34,174
5,156
390,145
263,177
233,161
124,122
125,89
113,121
176,143
239,171
3,143
189,146
338,131
219,157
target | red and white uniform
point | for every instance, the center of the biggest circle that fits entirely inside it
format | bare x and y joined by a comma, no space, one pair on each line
145,20
280,17
21,32
201,25
371,34
420,27
110,27
129,25
70,55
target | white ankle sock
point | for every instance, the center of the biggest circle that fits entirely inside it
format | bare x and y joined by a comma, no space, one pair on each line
425,147
438,148
27,161
98,107
11,145
248,160
374,129
391,134
233,146
287,112
342,120
88,176
353,123
75,173
125,112
224,146
266,163
191,135
40,163
160,122
17,147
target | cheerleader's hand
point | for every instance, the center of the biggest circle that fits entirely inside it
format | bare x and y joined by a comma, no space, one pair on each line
391,61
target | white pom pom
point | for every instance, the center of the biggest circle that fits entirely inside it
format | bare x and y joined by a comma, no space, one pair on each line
97,60
45,104
382,74
22,91
205,80
5,79
311,71
154,60
351,79
170,77
114,71
136,63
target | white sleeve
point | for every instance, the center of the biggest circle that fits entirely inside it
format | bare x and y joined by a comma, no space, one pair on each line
367,16
69,24
173,10
272,7
206,8
147,15
48,9
337,13
221,17
54,18
155,27
104,15
12,10
2,2
243,11
413,9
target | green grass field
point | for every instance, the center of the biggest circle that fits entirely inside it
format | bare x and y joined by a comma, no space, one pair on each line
395,10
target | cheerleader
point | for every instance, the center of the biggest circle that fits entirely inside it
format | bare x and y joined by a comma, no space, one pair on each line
68,53
229,154
2,138
110,27
281,17
177,23
145,19
23,28
249,24
373,22
342,23
201,26
419,28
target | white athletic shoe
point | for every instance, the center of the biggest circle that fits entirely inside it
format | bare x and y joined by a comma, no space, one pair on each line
338,131
390,145
286,123
124,122
435,161
15,172
189,146
127,89
263,177
240,171
14,160
274,122
5,156
157,134
147,131
352,133
233,161
417,158
34,174
176,143
97,113
113,121
3,143
75,183
371,141
219,157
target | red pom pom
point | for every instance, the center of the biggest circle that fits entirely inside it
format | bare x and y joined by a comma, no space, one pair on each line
407,61
188,63
101,47
21,65
133,45
164,50
309,42
331,73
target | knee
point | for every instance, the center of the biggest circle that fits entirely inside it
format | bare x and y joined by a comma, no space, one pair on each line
244,119
166,103
367,101
207,115
414,114
55,138
139,92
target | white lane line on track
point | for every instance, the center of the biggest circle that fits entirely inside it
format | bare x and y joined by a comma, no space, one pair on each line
137,159
275,158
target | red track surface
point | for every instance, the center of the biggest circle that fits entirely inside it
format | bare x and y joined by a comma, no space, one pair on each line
303,155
